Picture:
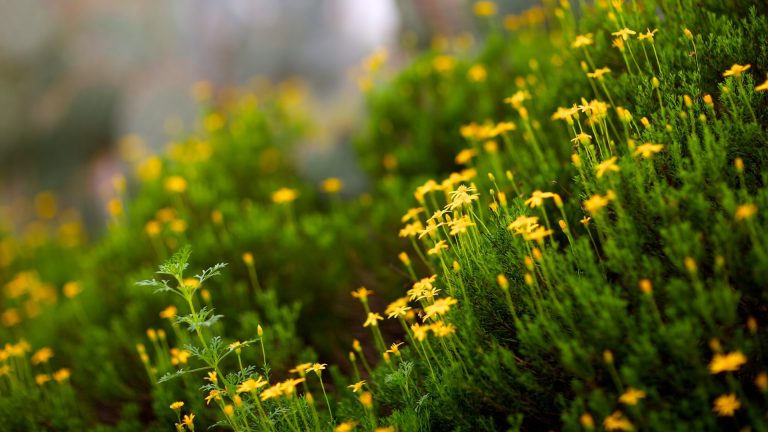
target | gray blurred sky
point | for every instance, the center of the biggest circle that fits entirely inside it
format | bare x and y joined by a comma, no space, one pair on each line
75,75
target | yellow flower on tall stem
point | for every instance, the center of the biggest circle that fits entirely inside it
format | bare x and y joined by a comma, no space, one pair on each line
736,70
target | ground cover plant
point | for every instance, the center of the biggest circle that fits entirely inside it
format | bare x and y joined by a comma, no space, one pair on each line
565,231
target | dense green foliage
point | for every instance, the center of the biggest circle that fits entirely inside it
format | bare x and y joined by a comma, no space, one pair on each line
600,268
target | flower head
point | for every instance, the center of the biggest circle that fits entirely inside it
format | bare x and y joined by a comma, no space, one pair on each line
598,73
373,319
745,211
582,41
597,202
332,185
726,405
736,70
284,195
648,149
762,87
648,35
356,387
484,8
251,385
631,396
537,198
362,293
411,214
624,33
607,166
439,246
617,422
42,356
439,307
730,362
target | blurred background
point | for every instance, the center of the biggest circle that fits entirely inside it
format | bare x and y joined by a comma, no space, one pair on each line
81,79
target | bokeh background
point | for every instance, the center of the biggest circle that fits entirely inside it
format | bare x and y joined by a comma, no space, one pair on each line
82,81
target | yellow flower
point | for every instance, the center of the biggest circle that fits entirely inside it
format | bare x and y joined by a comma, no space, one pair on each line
587,421
582,138
537,198
212,377
624,33
745,211
175,184
248,258
346,426
459,226
362,293
582,41
115,207
179,356
439,307
317,367
420,332
439,246
431,227
631,396
300,369
356,387
229,410
585,220
443,63
411,214
394,348
176,406
376,60
62,375
477,73
726,405
607,166
284,195
72,289
332,185
251,385
484,8
730,362
463,195
617,421
647,35
189,421
736,70
411,230
538,234
41,379
761,381
517,99
598,74
372,319
648,149
597,202
169,312
763,86
42,356
619,44
465,156
366,398
524,224
440,329
213,395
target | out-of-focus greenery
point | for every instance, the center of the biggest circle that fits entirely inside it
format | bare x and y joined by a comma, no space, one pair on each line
585,249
